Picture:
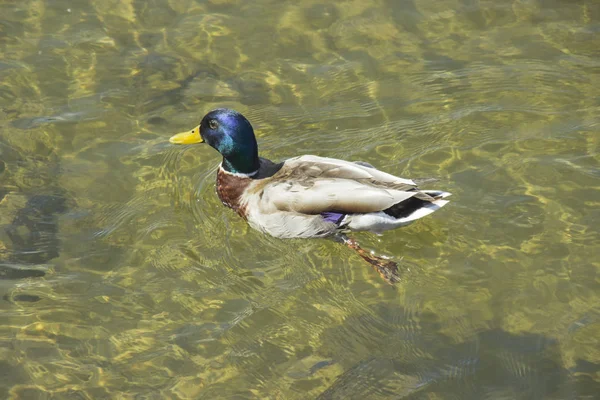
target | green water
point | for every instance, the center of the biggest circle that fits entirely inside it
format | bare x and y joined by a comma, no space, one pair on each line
123,277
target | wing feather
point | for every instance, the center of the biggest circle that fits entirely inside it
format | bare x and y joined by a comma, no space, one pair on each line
313,185
332,167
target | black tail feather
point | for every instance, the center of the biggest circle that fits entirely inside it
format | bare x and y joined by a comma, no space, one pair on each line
406,207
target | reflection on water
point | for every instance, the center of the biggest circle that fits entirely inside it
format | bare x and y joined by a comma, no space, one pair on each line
122,275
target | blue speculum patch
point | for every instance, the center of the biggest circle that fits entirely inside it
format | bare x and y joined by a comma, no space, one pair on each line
334,217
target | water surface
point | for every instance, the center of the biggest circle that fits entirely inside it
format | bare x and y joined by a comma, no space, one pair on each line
122,276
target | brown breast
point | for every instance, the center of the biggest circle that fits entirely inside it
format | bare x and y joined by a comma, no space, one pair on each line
230,189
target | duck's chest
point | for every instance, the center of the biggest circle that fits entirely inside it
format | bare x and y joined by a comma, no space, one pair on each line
230,189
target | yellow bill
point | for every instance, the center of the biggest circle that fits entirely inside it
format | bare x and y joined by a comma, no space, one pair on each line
188,137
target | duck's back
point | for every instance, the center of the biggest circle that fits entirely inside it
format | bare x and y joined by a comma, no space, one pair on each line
311,196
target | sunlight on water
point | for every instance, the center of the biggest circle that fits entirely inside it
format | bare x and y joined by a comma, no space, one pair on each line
123,276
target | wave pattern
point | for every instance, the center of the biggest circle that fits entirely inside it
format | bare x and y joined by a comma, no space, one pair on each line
122,275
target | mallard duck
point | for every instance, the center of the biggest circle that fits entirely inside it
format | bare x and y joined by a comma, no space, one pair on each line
306,196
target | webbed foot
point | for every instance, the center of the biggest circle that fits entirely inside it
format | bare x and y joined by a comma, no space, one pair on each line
387,269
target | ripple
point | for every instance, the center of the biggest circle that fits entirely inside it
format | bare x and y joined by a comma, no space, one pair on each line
145,285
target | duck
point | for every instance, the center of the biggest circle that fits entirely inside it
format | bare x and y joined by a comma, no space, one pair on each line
308,196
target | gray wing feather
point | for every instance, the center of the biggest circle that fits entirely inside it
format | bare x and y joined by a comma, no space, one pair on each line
312,185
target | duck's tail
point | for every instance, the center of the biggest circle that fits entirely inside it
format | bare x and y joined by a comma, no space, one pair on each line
417,207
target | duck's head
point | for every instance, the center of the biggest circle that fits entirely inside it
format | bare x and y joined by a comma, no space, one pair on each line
230,133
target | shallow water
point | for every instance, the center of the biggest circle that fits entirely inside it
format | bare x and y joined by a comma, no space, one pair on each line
122,276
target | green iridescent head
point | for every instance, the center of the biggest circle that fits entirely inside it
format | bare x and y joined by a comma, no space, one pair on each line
230,133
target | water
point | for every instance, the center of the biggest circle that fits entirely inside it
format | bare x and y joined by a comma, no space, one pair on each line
123,277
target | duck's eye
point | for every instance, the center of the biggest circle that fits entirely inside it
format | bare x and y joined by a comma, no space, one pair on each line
213,124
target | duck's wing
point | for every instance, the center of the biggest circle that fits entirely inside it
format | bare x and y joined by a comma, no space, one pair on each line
314,185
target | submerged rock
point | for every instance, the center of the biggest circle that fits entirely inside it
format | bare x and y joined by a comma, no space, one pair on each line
33,236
